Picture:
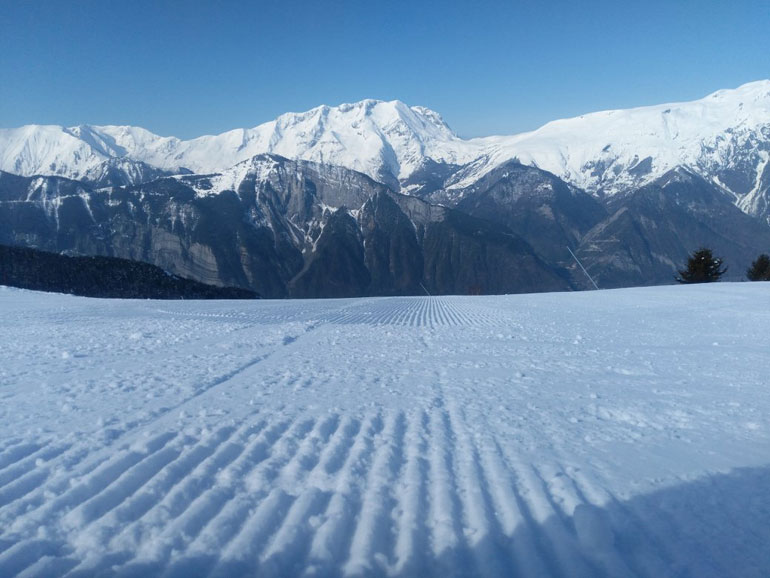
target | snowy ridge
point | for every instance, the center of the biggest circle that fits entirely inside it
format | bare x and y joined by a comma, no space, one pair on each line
385,140
47,150
613,150
604,152
220,439
261,168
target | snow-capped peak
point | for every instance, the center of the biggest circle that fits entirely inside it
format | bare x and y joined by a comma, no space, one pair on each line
386,140
612,150
603,152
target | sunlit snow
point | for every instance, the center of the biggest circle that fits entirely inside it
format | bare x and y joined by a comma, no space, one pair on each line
610,433
389,141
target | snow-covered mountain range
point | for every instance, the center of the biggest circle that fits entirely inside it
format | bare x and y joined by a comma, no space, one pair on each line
724,137
611,151
343,201
386,140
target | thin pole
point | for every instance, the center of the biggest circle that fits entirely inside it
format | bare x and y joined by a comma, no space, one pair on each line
583,268
424,289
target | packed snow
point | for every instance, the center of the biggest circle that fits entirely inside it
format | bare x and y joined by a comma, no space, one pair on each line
605,433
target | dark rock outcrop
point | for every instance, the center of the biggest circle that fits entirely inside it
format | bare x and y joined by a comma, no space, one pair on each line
282,228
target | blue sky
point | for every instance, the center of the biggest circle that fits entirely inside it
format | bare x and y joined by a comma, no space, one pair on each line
489,67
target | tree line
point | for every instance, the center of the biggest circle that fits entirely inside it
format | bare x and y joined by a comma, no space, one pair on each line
703,267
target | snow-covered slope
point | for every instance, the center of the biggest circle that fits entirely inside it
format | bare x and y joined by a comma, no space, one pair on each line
724,137
721,136
385,140
82,152
598,434
50,150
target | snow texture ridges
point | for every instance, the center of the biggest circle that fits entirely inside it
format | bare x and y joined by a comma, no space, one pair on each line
619,433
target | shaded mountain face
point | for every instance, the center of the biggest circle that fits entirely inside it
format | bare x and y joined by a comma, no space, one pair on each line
298,229
548,213
279,227
650,232
102,277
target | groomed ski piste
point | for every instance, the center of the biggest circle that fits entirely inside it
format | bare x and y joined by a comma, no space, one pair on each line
604,433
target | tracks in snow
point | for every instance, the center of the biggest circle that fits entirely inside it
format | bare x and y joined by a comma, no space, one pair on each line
427,470
400,311
416,312
390,493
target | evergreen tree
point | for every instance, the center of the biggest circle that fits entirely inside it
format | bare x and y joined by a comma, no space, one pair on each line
702,267
760,269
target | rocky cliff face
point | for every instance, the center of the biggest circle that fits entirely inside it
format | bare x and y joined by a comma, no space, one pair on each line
547,212
299,229
282,228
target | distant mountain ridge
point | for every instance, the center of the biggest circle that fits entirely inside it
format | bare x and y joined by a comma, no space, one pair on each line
725,137
380,198
388,141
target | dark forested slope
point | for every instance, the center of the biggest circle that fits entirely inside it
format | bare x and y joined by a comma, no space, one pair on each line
102,277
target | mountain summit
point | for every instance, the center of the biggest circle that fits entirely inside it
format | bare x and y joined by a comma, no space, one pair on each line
388,141
724,137
382,198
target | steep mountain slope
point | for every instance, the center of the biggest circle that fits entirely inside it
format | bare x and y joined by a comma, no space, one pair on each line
547,212
51,150
280,227
650,232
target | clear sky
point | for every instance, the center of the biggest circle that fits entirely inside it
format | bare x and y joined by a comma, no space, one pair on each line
188,68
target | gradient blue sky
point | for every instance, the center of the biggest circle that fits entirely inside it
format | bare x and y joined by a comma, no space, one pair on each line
489,67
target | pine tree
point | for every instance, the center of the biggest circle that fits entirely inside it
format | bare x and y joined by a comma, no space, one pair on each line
760,269
702,267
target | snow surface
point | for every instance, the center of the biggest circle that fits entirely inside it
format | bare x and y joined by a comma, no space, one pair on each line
611,433
604,152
